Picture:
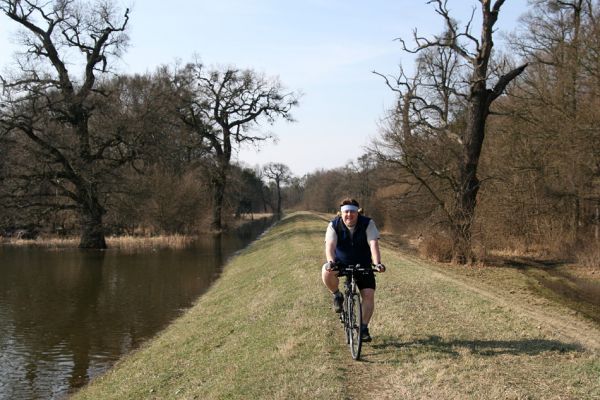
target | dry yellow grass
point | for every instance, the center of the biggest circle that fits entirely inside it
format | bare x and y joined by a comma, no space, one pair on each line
117,242
266,330
44,242
152,242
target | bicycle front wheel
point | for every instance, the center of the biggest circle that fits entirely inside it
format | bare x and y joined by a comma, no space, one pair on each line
355,310
345,316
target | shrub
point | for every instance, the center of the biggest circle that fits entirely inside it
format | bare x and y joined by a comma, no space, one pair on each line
436,245
589,255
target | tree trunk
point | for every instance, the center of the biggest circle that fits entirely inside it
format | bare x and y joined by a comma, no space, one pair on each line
462,250
597,222
576,218
218,198
278,200
92,236
463,220
219,183
469,183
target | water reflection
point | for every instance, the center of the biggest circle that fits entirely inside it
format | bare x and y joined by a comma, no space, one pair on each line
66,316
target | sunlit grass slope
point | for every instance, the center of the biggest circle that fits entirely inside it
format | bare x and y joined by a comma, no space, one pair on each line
262,331
265,330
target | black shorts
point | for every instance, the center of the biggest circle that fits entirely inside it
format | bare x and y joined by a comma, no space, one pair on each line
365,280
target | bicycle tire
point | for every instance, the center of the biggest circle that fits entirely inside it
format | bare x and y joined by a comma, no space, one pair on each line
346,320
355,313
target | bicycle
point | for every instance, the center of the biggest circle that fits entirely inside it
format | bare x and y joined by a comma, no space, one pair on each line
351,315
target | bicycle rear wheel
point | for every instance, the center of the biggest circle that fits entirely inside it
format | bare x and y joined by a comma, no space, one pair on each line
355,311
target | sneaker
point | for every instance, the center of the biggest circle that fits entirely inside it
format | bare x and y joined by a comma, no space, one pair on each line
338,301
364,335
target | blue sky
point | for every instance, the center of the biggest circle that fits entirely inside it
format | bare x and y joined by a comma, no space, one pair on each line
324,48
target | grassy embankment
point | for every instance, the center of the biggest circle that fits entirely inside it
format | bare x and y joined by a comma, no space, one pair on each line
266,330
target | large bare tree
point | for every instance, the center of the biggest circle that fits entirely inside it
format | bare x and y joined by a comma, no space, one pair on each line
557,105
280,174
50,104
225,109
433,141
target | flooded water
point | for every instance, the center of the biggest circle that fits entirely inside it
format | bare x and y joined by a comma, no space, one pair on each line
68,315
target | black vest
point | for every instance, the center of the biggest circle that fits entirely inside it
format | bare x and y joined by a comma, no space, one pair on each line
355,249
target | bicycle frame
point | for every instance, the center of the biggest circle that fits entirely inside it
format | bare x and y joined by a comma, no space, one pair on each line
351,315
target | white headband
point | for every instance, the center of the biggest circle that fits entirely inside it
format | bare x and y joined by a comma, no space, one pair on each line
349,207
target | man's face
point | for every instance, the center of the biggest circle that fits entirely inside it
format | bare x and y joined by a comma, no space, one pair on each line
349,218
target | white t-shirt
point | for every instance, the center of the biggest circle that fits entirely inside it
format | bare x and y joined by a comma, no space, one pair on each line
372,232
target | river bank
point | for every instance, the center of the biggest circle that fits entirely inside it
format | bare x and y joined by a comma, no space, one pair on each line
134,242
67,315
265,329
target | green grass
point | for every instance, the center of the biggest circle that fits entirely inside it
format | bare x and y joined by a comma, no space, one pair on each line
265,330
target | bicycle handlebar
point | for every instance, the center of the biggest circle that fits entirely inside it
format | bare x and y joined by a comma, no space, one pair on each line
339,267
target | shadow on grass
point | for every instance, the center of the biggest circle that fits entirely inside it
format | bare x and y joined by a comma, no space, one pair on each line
477,347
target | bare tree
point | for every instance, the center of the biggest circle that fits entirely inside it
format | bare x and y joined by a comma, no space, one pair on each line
322,190
364,169
420,145
53,112
224,108
556,104
279,174
421,120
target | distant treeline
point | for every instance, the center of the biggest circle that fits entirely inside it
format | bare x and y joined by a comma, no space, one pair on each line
482,151
539,166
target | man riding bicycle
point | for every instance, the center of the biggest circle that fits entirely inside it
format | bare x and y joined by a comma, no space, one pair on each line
352,239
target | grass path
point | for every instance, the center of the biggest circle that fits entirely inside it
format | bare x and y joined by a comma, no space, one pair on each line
440,336
265,330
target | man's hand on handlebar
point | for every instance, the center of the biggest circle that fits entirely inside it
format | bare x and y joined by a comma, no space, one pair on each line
331,266
379,267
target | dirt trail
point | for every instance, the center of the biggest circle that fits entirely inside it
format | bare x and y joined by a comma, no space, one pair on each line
566,324
569,325
454,346
576,329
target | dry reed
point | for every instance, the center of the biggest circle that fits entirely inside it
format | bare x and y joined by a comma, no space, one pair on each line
119,242
152,242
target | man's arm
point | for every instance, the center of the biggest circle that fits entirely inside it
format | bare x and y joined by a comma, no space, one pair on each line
330,243
375,254
330,250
